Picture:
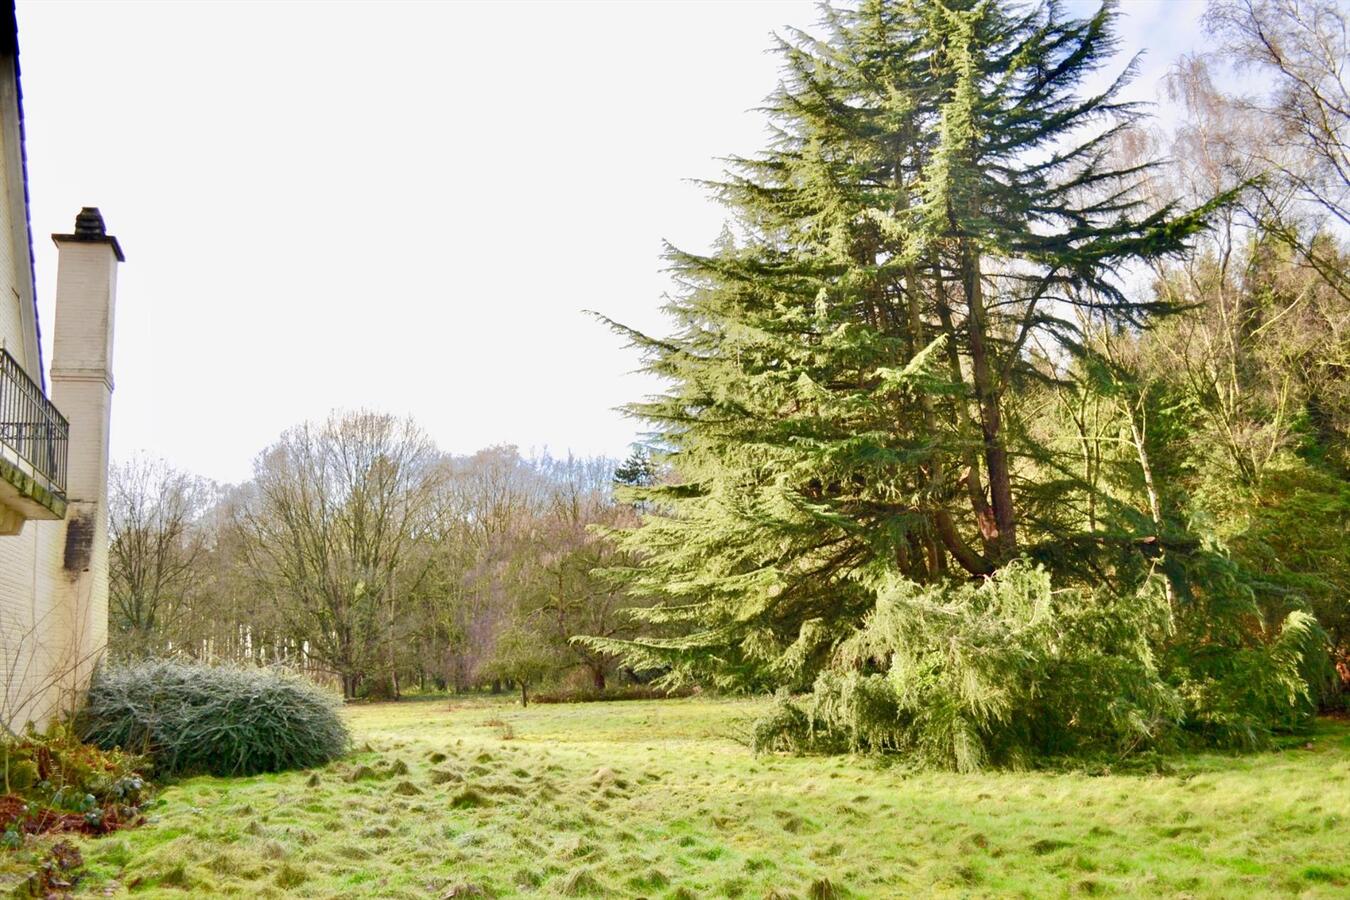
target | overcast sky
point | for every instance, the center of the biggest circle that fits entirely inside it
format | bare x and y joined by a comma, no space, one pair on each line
398,206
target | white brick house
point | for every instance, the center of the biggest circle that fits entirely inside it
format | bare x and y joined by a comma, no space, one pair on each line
53,446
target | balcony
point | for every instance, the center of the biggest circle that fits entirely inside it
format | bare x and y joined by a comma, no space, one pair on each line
34,440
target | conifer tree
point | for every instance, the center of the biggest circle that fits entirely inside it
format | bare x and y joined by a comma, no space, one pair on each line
938,189
637,470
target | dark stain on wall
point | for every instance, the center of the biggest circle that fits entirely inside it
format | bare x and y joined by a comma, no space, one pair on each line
79,543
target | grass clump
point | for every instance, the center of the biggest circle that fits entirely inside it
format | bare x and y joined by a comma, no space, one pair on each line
290,876
580,883
191,719
469,797
652,878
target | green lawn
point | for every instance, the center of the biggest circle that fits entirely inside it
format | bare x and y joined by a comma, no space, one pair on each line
658,800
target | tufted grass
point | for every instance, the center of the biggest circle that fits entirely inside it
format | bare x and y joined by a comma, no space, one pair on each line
654,799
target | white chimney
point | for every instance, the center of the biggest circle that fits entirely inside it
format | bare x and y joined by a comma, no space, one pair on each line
82,385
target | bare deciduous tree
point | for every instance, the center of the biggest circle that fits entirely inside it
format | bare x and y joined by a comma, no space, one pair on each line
333,513
156,549
1290,140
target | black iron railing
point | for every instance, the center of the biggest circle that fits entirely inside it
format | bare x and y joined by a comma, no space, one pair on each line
33,433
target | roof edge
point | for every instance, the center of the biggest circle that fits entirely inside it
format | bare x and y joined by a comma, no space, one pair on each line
9,47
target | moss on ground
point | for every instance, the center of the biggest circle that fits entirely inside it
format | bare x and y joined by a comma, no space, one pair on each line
655,799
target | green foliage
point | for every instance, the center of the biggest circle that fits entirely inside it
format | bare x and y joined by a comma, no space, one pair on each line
221,720
66,785
992,673
928,459
1241,679
843,362
638,470
1253,436
1236,699
523,655
622,692
1294,529
1007,670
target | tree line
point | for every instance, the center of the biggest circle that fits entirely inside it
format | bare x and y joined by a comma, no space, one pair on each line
360,552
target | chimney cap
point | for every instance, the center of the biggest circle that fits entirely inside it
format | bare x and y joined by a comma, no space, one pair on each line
90,229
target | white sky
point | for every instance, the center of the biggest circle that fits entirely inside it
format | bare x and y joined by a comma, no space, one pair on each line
398,206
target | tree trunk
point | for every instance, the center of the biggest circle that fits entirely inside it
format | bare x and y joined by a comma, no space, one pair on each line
1139,434
524,698
598,675
979,504
969,560
917,342
987,397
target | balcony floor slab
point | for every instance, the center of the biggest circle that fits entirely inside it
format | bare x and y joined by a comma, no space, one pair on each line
26,496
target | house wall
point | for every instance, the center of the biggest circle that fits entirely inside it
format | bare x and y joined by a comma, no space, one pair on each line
33,625
53,605
30,562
